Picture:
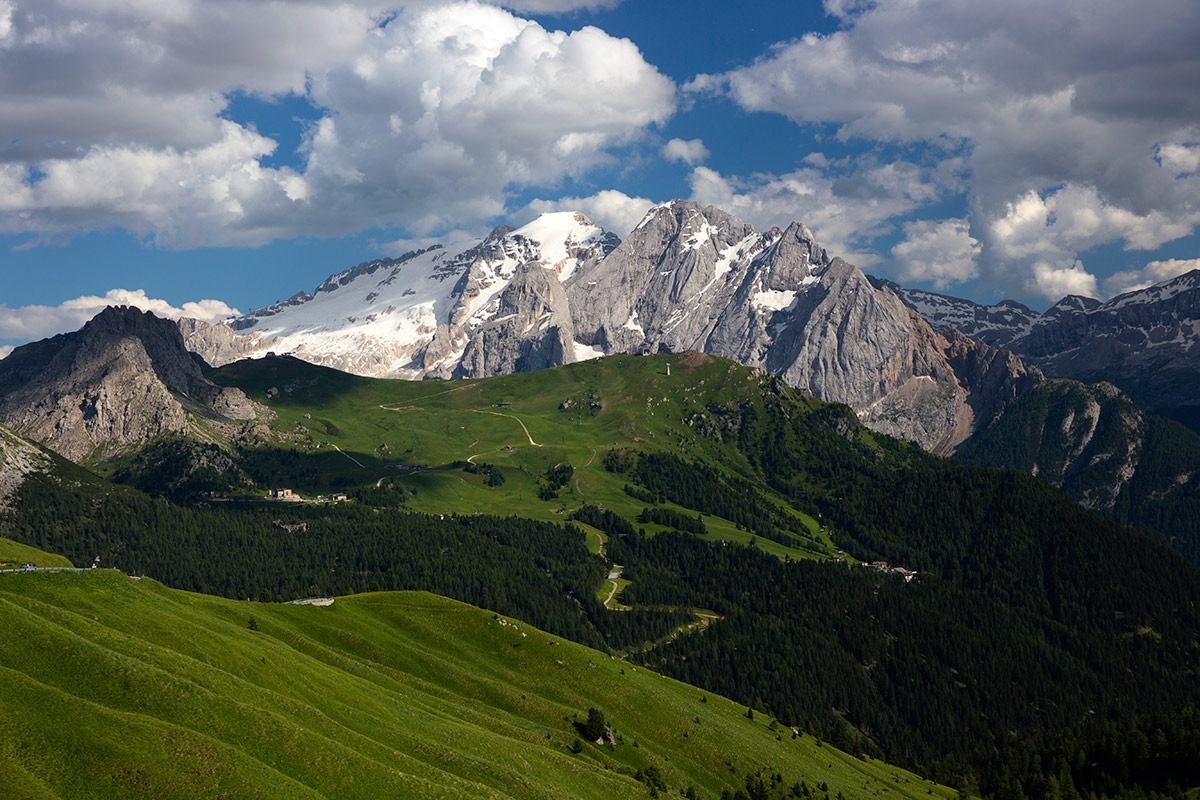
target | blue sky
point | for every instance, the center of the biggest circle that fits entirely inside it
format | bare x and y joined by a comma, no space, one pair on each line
204,156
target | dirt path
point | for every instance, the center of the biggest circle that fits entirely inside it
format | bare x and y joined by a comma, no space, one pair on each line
593,458
510,416
613,578
347,455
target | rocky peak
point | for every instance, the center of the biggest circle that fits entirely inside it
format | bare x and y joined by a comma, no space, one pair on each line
124,377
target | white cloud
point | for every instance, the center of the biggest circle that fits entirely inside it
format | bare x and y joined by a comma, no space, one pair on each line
1094,100
5,349
614,211
1152,273
431,114
1055,282
690,151
1034,231
38,322
1181,159
943,252
846,203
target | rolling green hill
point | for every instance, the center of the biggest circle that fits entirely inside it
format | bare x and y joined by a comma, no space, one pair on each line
1027,613
111,687
13,555
354,431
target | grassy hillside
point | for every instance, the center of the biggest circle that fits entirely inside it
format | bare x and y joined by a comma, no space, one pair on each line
355,430
1027,613
111,687
14,554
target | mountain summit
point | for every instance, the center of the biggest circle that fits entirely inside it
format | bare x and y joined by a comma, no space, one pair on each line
561,289
125,377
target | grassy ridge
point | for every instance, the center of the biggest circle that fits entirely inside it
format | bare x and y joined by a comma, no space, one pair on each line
14,554
379,426
111,687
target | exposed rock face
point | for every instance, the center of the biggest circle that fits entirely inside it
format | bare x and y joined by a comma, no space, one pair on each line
220,343
18,459
1086,440
1146,342
687,278
125,377
532,329
697,278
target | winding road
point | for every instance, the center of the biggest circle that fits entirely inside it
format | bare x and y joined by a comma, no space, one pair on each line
510,416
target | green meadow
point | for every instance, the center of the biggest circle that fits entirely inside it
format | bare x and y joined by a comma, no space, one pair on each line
115,687
355,431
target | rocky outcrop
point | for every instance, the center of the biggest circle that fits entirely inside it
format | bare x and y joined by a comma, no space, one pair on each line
124,378
1086,440
18,460
220,343
1146,342
531,329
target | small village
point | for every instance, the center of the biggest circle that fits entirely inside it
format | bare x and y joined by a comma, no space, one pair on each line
883,566
289,496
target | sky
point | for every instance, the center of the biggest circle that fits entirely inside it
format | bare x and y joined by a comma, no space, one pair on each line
203,157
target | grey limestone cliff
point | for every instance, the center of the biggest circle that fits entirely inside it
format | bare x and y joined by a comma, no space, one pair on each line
125,377
1146,342
698,278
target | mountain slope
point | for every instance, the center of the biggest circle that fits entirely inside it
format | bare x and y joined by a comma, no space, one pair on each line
124,378
1145,342
687,278
414,316
1093,443
121,688
18,459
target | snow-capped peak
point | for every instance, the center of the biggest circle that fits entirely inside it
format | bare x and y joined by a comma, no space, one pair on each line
562,236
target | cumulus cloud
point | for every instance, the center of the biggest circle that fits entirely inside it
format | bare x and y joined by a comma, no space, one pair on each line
846,203
38,322
1152,273
1097,98
614,211
942,252
429,114
689,151
1054,282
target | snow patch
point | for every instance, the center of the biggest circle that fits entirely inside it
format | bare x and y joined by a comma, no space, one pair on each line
586,352
632,325
774,299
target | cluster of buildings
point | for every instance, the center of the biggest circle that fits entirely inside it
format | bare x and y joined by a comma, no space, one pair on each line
883,566
288,496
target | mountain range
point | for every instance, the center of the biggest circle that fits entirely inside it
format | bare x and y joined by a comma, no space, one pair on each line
675,438
561,290
1145,342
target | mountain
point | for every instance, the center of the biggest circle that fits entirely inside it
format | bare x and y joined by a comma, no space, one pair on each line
124,378
724,496
414,316
561,290
1146,342
1094,444
170,694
